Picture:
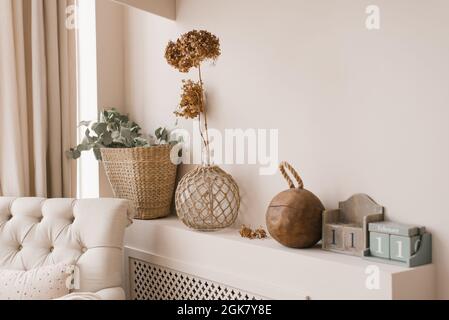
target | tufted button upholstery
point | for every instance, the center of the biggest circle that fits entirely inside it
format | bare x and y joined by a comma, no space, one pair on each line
37,232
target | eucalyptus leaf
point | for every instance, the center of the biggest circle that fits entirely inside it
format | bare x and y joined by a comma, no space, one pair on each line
97,153
158,133
84,147
100,128
120,140
164,136
73,154
141,142
115,135
125,133
123,119
88,139
107,138
85,123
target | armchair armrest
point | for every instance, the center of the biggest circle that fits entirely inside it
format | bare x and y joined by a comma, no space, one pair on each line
106,294
116,293
80,296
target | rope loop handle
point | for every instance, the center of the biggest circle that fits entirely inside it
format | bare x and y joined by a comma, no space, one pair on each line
283,167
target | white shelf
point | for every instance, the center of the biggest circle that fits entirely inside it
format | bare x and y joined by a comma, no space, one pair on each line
266,268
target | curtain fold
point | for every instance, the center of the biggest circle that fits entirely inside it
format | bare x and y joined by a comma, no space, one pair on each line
37,98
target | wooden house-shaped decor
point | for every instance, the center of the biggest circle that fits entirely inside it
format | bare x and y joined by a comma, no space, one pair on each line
345,230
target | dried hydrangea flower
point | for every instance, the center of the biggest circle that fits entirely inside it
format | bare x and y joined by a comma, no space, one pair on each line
246,232
191,49
191,104
173,54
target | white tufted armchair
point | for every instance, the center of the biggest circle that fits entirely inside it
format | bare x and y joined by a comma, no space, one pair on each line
36,232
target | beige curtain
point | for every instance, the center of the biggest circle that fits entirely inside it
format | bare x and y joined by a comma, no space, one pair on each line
37,98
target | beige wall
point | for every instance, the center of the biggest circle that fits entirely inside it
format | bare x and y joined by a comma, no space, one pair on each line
357,110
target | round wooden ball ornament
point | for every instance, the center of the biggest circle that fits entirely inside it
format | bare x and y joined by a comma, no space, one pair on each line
294,217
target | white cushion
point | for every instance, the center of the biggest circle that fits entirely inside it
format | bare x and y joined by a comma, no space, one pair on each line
43,283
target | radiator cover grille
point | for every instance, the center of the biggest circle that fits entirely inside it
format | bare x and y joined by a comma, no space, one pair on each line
152,282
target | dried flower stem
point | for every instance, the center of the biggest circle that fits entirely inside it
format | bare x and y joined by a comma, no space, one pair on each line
201,133
206,128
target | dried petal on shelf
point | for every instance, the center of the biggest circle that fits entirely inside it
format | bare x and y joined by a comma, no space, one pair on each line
246,232
261,233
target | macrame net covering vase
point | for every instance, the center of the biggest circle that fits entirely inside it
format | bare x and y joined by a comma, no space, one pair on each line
207,199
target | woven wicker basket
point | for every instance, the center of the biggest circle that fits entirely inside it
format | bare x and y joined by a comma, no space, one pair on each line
146,176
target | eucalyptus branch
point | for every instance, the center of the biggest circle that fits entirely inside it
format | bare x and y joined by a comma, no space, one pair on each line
114,130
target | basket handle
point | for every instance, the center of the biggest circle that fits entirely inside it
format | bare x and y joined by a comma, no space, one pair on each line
283,167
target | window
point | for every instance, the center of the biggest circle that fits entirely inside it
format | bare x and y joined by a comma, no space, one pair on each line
88,175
